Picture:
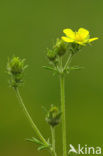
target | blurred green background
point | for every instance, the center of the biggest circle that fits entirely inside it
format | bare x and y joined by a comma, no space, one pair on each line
27,28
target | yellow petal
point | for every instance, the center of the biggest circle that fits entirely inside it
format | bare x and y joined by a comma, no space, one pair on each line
66,39
81,43
69,33
83,33
93,39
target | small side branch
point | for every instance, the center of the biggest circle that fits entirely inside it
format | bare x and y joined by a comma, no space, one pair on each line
36,130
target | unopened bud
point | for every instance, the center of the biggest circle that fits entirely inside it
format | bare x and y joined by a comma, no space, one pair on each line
60,47
53,116
15,68
51,54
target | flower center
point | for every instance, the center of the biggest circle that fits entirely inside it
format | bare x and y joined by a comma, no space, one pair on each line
78,38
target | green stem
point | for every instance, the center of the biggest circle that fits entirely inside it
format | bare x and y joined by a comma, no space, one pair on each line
63,113
36,130
53,139
68,61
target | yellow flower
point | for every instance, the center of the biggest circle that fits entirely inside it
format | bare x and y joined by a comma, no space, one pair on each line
80,37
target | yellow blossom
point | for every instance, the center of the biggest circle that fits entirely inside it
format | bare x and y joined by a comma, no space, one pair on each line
80,37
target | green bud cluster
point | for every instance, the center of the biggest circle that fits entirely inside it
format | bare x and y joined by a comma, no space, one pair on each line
59,49
53,116
15,68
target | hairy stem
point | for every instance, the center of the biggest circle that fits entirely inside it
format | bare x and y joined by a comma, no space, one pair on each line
53,140
63,114
36,130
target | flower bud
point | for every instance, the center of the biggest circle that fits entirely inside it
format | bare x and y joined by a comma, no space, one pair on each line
75,48
53,116
60,47
51,54
15,68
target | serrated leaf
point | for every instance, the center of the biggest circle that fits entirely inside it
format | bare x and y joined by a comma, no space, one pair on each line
34,140
42,146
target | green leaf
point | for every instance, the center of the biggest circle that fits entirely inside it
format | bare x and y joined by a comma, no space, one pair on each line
68,69
49,68
34,140
43,147
76,68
